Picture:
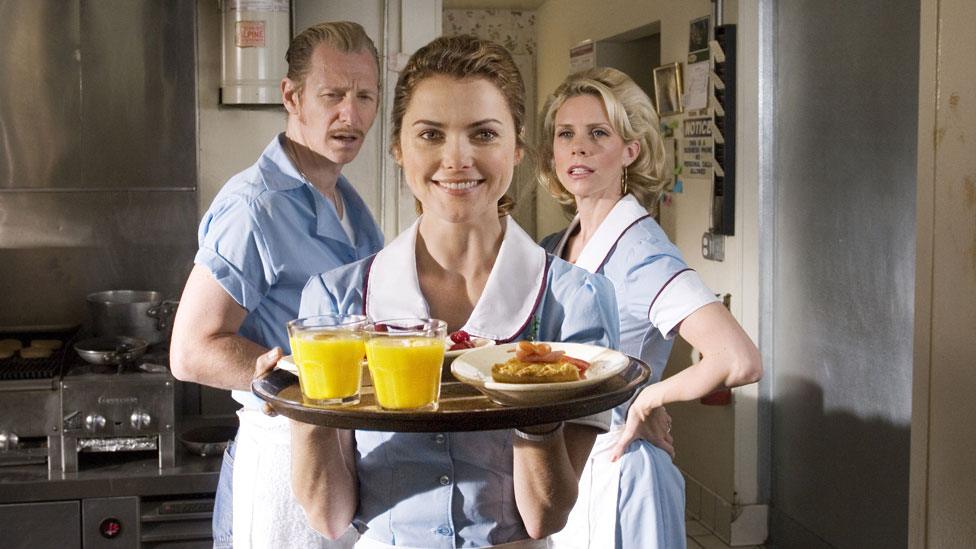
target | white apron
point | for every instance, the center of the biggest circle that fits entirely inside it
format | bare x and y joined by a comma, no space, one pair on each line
592,522
266,514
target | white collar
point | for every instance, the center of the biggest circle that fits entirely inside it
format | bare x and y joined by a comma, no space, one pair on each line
511,294
625,213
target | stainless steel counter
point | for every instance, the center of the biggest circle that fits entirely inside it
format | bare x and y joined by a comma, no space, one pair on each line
111,475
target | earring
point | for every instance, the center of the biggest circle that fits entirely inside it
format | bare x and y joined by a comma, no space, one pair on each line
623,182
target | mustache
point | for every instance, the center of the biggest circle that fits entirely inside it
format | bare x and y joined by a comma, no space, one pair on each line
348,131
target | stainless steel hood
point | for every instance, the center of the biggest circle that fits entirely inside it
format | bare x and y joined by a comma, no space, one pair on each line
98,144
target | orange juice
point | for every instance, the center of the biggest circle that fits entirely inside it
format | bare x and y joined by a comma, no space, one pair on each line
406,371
329,365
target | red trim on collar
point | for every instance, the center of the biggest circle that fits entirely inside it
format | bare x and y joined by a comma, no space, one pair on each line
621,235
665,285
538,300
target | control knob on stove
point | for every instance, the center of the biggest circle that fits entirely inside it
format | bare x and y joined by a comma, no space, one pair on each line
94,422
8,440
140,419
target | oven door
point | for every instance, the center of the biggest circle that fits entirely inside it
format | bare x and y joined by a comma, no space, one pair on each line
48,524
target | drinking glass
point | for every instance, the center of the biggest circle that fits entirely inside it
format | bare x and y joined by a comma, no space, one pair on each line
328,351
405,356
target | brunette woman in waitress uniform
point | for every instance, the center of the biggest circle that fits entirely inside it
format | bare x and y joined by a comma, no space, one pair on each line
603,159
457,133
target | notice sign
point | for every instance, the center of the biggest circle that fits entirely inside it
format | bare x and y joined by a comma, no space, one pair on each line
250,34
697,151
582,56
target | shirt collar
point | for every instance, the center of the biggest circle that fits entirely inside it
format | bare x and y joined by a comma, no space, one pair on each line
289,177
625,212
507,304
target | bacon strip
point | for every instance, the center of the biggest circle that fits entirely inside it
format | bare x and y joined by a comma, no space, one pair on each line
542,353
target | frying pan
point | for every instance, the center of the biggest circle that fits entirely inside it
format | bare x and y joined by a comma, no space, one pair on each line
111,349
208,441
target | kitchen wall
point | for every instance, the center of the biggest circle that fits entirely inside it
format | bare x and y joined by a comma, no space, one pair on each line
717,445
97,154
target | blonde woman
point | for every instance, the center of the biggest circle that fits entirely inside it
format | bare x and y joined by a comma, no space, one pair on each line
603,160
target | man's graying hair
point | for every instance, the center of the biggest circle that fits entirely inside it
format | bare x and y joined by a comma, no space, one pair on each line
344,36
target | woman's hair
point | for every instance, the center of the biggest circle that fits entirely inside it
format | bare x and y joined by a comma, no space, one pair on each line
461,57
632,116
344,36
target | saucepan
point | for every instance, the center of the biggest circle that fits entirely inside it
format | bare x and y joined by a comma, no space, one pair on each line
132,313
111,350
210,440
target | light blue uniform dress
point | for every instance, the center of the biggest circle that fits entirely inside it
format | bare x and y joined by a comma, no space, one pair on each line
639,501
266,232
445,490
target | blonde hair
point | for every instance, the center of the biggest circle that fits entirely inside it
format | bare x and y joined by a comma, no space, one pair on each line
463,56
631,115
344,36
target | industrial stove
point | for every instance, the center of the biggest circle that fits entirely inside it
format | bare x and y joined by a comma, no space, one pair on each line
53,409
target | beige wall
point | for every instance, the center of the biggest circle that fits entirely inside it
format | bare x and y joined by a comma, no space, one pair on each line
943,483
717,446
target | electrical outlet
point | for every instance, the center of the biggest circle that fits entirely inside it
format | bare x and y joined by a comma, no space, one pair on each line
713,246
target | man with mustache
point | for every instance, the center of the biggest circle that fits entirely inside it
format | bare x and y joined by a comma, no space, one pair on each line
289,216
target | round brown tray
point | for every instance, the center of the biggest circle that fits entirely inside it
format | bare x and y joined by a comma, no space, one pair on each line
462,407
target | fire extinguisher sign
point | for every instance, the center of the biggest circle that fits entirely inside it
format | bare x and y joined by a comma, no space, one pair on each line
250,34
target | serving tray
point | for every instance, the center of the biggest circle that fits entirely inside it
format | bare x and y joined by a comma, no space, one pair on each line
462,407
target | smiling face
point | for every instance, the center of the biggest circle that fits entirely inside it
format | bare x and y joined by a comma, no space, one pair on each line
457,147
336,106
588,154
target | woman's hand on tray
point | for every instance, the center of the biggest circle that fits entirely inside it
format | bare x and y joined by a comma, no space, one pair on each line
262,366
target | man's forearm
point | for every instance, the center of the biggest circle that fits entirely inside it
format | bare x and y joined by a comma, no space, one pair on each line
223,361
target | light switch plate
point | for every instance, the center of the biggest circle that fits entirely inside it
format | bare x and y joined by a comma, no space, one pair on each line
713,246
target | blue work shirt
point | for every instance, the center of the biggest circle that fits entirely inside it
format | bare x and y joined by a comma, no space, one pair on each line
267,231
655,291
445,490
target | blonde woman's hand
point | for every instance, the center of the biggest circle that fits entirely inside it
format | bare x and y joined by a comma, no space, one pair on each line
651,423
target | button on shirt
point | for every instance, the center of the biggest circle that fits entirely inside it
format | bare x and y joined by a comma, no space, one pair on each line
457,489
267,231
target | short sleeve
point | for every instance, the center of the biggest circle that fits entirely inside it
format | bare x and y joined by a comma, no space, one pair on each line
233,249
682,295
657,285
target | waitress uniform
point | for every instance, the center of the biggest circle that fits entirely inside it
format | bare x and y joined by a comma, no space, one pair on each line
446,490
267,231
639,500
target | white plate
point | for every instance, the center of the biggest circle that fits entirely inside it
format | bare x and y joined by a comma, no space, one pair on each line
474,368
479,342
287,363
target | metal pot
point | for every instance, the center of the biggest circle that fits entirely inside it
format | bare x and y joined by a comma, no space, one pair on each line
142,314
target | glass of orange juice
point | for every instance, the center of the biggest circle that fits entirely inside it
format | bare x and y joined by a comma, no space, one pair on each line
405,356
329,351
